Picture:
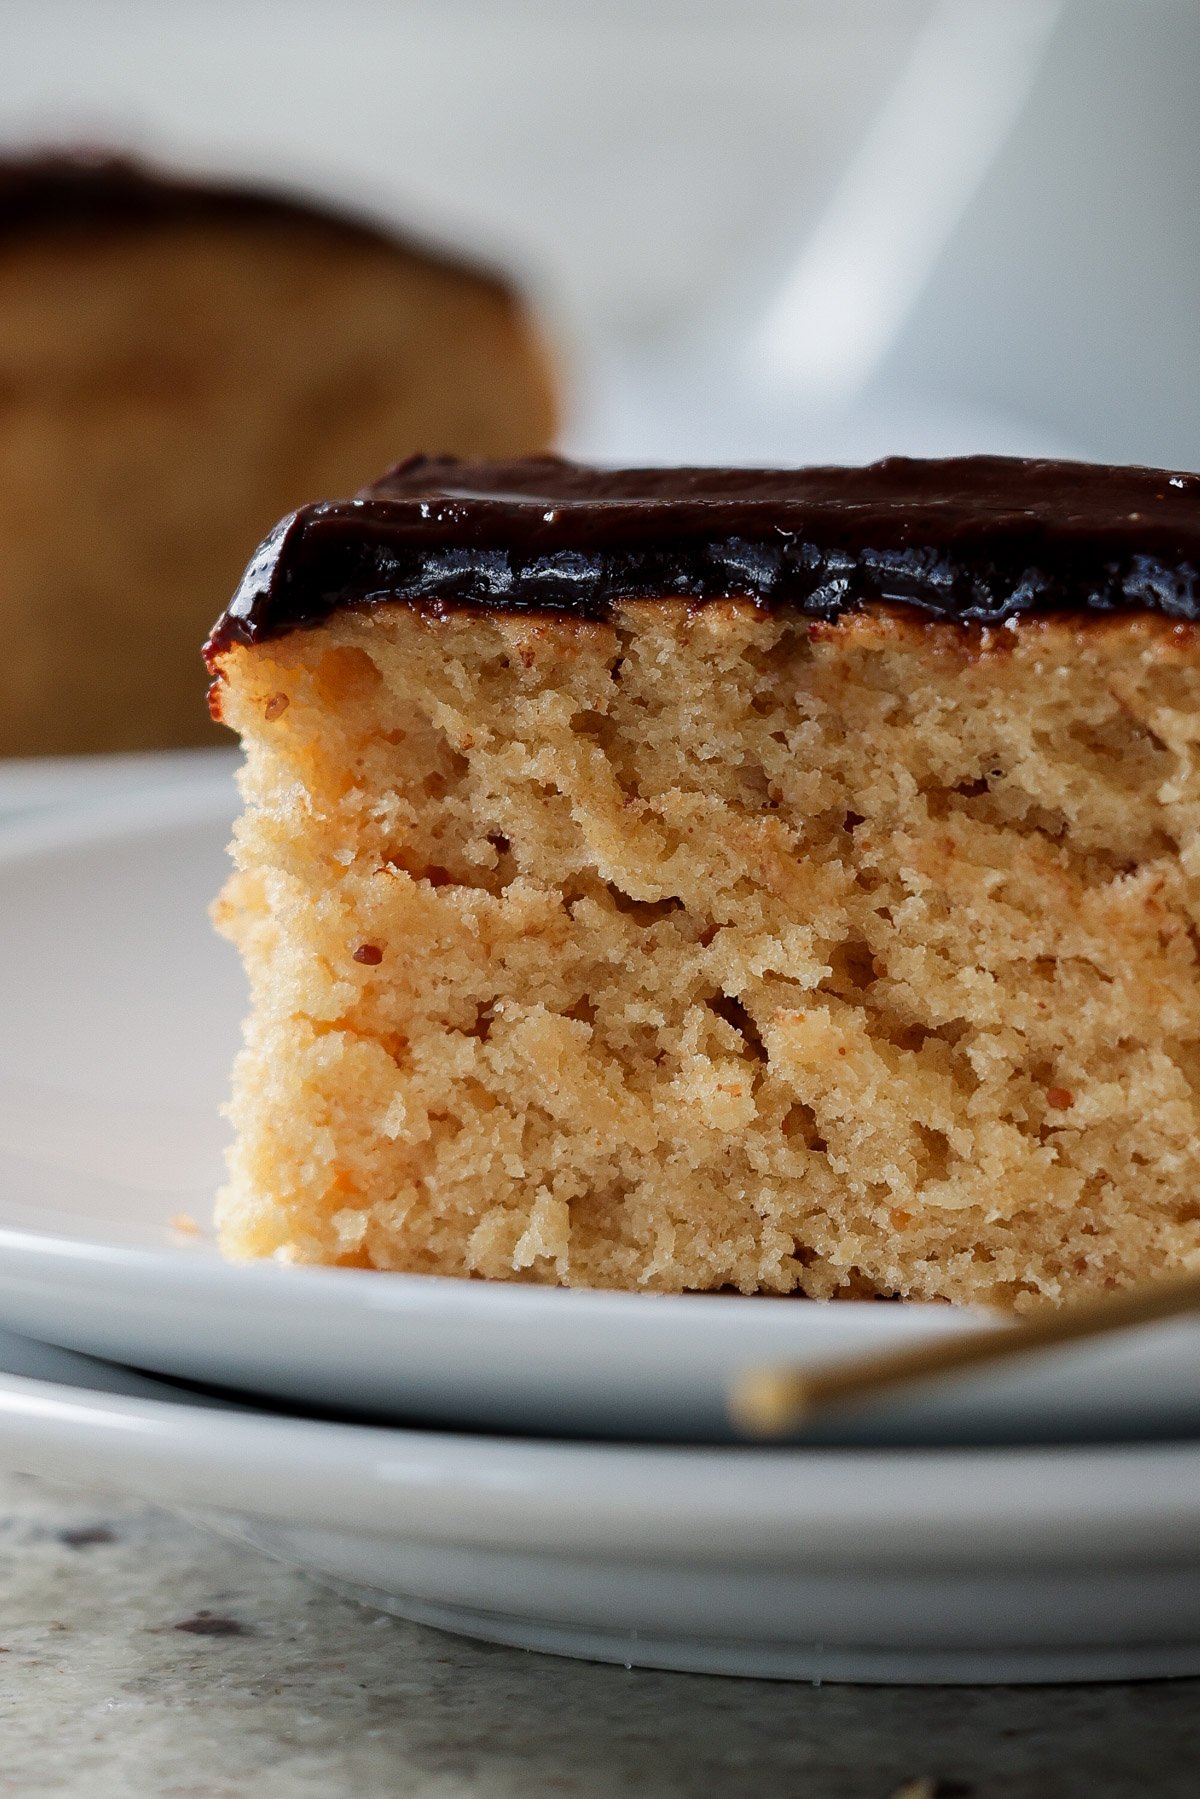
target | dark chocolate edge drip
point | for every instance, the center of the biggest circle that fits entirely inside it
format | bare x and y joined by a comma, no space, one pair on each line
442,545
805,579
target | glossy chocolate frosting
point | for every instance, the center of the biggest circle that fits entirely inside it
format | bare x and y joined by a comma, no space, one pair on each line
976,539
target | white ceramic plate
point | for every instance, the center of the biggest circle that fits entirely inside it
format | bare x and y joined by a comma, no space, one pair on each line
118,1021
31,783
851,1564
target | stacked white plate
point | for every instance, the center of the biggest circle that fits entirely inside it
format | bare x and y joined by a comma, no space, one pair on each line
535,1467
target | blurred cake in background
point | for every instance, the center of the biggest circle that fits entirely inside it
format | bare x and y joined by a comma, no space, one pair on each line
179,364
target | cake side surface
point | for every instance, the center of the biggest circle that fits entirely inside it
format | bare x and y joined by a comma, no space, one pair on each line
704,946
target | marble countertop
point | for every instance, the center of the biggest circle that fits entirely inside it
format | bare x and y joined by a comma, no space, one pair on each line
142,1657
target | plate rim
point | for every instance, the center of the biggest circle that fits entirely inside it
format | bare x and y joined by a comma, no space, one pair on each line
920,1508
396,1291
111,815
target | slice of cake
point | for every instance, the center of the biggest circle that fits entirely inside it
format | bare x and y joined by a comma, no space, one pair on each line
687,879
179,364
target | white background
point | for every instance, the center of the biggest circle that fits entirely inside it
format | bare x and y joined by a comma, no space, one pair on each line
1024,240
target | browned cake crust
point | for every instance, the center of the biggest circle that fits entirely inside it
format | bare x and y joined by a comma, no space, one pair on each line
179,363
717,944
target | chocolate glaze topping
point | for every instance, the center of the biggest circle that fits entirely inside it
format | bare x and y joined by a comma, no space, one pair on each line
975,539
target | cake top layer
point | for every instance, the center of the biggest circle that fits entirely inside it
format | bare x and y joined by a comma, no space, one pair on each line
975,539
80,191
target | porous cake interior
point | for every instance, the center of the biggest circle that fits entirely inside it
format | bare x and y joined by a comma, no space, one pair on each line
167,390
716,948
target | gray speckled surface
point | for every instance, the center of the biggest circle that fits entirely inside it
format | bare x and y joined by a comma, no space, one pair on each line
141,1657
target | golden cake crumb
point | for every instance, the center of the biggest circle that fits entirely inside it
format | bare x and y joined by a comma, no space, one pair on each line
712,947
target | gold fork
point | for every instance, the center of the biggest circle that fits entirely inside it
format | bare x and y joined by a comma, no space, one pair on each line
774,1402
